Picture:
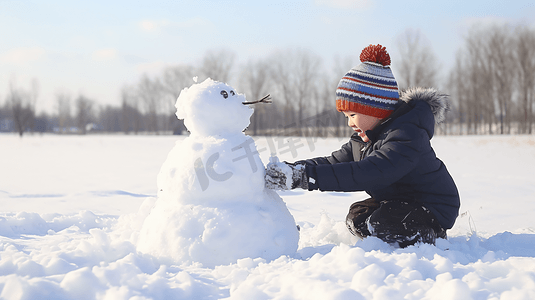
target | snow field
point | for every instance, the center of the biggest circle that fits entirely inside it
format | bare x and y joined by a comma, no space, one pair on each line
68,229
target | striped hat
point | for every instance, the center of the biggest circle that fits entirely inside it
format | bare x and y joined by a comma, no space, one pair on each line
369,88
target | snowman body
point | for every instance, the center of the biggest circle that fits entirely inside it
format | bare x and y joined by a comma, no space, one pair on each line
212,206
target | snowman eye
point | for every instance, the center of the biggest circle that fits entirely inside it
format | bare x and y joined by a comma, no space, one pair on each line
232,93
225,94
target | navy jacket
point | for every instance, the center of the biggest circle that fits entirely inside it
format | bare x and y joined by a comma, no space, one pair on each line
398,163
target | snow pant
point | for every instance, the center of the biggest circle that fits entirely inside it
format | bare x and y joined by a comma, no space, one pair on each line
398,223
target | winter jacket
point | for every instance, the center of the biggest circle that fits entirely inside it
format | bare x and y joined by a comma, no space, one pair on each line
398,163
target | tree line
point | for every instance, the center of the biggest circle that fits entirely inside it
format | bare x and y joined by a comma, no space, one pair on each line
493,82
492,86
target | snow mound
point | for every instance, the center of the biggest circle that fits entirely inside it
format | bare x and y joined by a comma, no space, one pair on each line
100,263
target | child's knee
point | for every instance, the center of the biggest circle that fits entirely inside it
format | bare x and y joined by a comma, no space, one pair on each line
357,216
404,224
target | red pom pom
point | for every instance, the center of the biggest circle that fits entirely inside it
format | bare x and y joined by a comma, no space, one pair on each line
375,54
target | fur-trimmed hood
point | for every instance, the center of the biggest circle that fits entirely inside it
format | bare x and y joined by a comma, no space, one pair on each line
438,102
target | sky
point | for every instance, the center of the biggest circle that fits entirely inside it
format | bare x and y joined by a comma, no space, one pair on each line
96,47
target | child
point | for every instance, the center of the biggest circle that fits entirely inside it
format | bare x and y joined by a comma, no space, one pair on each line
413,197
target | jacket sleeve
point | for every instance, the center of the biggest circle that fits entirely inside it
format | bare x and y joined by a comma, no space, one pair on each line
395,156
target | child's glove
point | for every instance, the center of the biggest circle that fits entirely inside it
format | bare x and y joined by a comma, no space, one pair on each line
285,176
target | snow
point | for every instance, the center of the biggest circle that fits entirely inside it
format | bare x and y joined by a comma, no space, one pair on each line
72,209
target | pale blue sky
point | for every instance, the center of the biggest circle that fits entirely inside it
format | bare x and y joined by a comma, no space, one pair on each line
94,47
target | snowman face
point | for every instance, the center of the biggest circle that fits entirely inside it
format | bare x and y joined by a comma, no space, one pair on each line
213,108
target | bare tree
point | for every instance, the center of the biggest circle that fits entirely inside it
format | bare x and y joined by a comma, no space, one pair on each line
417,62
84,113
525,65
63,106
307,79
23,106
218,65
282,75
109,118
295,76
128,109
495,67
175,79
479,106
327,119
149,92
500,54
125,111
458,90
255,80
131,119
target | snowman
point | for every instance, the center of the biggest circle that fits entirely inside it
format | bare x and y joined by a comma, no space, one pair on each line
212,207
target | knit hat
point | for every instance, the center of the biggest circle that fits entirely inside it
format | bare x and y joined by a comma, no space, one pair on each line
369,88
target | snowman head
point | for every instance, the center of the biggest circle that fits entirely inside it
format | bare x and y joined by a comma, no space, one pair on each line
213,108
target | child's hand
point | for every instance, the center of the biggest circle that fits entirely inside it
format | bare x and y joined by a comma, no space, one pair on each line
284,176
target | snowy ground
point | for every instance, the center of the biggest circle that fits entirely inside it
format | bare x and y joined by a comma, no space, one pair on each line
68,223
